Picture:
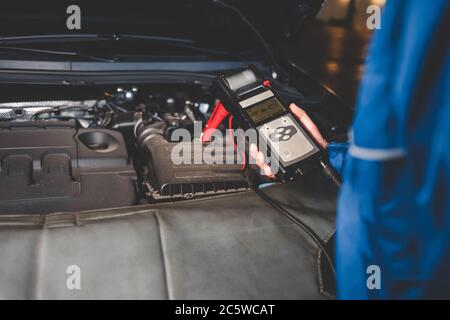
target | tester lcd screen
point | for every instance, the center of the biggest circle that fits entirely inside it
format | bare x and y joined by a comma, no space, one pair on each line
265,110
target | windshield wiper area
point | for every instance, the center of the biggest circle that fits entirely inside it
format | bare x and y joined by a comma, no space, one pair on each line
8,43
55,38
58,53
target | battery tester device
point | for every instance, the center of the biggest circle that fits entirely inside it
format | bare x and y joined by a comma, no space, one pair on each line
254,104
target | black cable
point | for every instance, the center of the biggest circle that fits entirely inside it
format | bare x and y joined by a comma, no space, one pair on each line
261,39
329,171
113,104
274,203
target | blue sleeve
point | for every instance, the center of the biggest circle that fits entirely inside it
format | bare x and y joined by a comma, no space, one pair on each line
337,153
394,203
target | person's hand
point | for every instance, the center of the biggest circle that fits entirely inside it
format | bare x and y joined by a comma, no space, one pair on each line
307,123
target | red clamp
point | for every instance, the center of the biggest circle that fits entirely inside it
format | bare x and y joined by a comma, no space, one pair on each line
217,116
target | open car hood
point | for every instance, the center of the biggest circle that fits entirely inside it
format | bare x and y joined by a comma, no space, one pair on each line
205,20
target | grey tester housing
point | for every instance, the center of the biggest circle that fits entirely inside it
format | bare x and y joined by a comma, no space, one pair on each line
254,104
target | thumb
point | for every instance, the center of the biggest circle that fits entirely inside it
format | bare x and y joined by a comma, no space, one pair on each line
309,125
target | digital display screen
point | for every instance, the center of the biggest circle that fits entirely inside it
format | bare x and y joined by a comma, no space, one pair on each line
265,110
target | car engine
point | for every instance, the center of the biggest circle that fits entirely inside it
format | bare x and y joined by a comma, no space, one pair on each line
105,147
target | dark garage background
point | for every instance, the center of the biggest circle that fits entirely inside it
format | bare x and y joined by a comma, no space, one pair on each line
337,60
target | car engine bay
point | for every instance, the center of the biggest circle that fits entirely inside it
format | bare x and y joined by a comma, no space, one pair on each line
74,148
82,153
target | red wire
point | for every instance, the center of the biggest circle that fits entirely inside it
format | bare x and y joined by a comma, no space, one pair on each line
230,131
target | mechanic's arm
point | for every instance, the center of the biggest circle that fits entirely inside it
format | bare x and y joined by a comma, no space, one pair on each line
336,151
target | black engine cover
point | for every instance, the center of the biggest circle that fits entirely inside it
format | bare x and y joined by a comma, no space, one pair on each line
53,166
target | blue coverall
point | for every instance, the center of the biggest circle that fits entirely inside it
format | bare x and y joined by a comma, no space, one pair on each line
394,204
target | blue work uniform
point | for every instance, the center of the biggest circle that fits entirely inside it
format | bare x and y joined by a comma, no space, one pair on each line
394,204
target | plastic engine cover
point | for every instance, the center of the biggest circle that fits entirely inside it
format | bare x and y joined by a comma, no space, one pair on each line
53,166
